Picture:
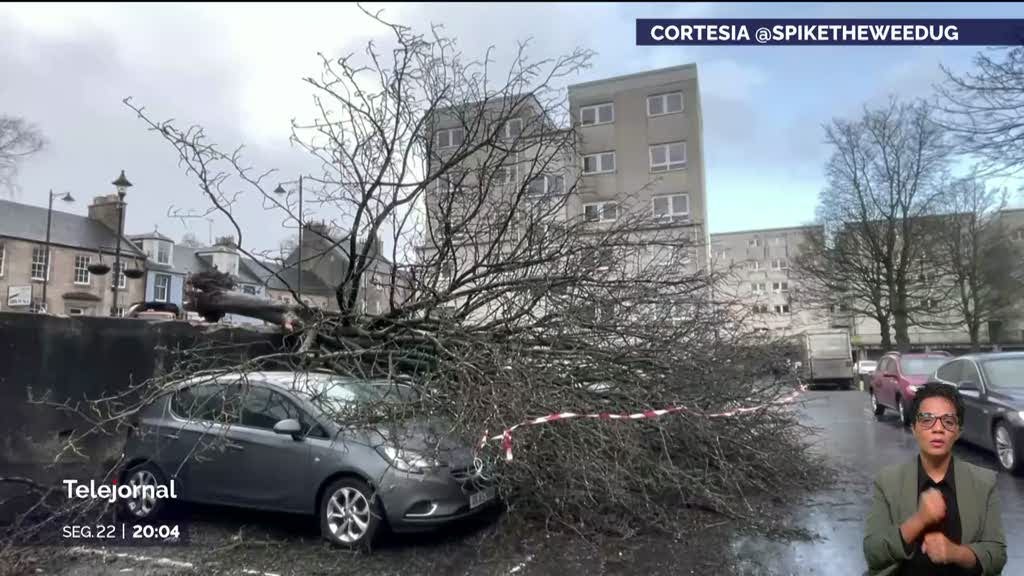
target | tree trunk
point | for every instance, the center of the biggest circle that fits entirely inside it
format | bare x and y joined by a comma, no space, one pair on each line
973,329
899,319
884,329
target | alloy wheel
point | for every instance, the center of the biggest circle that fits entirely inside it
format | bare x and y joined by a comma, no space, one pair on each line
1004,447
348,514
142,505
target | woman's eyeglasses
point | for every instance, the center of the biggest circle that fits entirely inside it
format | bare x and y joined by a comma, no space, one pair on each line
949,421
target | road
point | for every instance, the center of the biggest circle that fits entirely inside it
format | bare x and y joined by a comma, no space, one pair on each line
232,542
859,445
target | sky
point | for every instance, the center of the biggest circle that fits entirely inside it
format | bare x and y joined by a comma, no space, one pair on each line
237,71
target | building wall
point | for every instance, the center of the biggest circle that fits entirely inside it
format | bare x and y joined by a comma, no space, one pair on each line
17,271
738,252
633,132
176,293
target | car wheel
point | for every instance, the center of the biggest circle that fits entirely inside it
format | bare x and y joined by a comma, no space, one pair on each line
901,406
350,514
1005,449
145,506
875,406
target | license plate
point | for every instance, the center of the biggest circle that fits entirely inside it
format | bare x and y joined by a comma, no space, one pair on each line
482,497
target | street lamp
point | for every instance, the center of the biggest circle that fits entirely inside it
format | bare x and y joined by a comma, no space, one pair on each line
49,214
280,191
122,185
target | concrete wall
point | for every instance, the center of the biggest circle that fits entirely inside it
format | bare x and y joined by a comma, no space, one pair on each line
85,358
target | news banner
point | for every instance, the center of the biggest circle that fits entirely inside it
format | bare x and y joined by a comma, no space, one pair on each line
838,32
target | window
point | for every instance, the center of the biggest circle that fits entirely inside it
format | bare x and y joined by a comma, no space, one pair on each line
200,402
780,264
760,309
950,373
117,273
599,163
75,311
161,287
249,289
450,137
163,252
3,252
758,287
754,265
661,104
779,287
546,185
597,114
119,312
40,264
82,270
675,206
601,212
754,242
778,240
513,128
1018,235
782,308
671,156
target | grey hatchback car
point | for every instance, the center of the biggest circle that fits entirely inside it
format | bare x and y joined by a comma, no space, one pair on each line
270,440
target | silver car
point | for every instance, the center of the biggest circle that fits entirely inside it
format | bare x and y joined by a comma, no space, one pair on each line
269,440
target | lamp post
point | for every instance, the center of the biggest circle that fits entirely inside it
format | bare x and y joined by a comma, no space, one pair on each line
122,185
282,192
49,215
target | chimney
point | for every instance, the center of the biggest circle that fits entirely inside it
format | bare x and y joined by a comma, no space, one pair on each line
104,209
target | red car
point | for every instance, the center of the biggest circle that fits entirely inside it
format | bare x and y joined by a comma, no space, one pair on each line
898,377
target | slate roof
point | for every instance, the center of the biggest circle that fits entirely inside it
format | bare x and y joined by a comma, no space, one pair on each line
27,222
289,279
187,261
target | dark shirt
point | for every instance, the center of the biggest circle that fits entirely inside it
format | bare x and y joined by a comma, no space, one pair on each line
919,563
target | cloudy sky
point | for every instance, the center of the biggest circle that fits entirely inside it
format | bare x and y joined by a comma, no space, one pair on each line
236,70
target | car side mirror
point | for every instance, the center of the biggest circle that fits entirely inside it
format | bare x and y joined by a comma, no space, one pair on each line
967,386
289,426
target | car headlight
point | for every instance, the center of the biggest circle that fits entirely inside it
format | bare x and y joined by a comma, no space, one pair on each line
407,460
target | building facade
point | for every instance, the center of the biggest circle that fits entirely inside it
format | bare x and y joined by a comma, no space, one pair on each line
758,277
164,282
76,242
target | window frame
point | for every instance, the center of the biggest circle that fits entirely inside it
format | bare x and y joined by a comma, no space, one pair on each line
167,288
250,287
71,311
85,269
48,254
601,211
671,215
600,156
597,113
448,132
781,309
783,287
3,258
668,165
117,273
783,264
663,97
163,244
505,128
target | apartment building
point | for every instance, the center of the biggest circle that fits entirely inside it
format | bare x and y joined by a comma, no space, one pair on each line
642,149
75,243
760,278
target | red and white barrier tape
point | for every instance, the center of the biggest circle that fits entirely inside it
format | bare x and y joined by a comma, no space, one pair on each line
506,436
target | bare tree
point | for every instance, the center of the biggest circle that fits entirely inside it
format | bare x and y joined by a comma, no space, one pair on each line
18,140
985,108
976,255
883,179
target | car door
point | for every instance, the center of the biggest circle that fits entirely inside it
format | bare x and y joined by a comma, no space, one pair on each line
886,389
266,469
976,410
198,438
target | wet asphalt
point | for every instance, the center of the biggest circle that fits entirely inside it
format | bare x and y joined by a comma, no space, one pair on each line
854,441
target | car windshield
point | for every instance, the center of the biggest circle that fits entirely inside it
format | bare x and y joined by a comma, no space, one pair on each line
335,393
921,366
1005,373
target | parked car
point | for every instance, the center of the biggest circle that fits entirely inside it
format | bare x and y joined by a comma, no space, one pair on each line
898,377
269,441
992,388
